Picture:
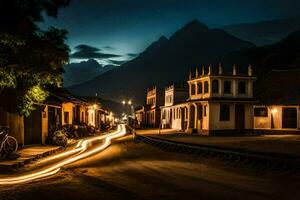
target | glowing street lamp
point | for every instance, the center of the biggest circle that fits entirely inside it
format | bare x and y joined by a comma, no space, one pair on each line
129,102
274,111
123,102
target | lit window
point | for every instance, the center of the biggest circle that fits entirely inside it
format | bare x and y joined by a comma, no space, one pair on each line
260,112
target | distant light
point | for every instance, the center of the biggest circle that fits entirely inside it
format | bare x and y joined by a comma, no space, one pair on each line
123,102
274,111
95,106
129,102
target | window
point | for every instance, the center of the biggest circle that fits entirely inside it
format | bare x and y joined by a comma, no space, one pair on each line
193,89
200,88
204,111
242,87
66,117
227,87
260,112
200,112
215,86
224,112
206,87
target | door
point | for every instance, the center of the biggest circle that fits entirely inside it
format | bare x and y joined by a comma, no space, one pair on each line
171,118
33,127
239,116
289,118
199,116
192,116
182,116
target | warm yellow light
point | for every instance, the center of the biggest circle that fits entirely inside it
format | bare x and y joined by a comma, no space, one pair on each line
81,148
123,102
274,111
129,102
95,106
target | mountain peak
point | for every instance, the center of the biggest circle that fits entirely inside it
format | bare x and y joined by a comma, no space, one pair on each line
156,45
190,29
195,24
162,39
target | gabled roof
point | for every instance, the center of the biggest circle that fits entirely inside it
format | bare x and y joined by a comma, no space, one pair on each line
61,95
279,87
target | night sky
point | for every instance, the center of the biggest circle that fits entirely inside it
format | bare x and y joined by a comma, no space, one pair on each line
119,29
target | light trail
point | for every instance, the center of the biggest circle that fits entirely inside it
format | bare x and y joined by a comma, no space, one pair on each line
81,147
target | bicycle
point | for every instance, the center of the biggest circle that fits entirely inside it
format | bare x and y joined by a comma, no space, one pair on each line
8,144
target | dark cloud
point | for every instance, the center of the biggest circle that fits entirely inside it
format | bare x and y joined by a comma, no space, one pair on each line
86,52
132,54
109,48
84,47
118,62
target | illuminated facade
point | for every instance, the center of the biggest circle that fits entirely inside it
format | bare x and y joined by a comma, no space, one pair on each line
155,99
59,109
229,100
278,107
174,112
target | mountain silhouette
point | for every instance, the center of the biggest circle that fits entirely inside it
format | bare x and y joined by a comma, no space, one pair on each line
163,62
284,54
76,73
265,32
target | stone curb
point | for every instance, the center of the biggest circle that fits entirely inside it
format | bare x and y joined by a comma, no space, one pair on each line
12,165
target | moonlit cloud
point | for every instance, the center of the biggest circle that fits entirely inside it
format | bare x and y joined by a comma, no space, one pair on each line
88,52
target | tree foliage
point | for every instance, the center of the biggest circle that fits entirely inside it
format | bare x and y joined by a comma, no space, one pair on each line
30,58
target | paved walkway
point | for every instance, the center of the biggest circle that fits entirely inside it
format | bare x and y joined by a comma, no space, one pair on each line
27,155
285,144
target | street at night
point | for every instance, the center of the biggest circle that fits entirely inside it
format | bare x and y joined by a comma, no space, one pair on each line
130,169
149,100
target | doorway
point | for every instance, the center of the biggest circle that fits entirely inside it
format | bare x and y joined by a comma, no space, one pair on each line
33,127
289,118
192,117
239,117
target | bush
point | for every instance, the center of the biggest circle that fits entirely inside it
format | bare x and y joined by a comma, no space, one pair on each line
60,138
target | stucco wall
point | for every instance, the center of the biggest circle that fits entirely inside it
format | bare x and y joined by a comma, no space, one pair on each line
265,122
214,114
15,123
216,124
67,107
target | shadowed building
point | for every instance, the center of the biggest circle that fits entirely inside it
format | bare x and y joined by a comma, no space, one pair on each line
149,115
278,107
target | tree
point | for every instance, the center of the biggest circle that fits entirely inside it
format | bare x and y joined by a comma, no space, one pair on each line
30,59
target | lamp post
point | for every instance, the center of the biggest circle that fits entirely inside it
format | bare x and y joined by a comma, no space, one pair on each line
129,109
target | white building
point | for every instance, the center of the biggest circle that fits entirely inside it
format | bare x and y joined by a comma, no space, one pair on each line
221,101
174,112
